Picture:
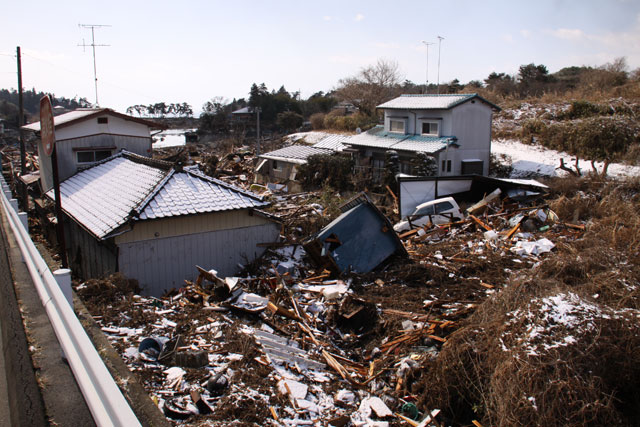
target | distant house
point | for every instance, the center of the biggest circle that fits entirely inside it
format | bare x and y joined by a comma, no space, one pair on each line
453,129
88,135
281,166
155,223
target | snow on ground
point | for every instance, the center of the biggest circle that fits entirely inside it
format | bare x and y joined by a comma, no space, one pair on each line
531,160
310,137
558,321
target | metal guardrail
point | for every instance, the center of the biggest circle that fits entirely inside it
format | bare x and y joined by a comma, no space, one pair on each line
104,399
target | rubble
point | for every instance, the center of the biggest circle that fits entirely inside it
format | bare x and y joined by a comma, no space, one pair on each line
296,343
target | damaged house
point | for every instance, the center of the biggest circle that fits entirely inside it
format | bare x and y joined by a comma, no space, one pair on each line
88,135
155,223
455,130
281,166
359,240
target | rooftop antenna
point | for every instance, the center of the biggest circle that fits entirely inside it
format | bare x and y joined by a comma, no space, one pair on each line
439,43
427,44
93,47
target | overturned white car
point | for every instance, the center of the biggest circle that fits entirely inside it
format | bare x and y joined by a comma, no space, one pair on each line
439,211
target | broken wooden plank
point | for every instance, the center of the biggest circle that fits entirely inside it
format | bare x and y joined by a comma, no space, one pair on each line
282,311
480,222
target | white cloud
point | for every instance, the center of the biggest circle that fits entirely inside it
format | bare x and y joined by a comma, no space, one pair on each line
359,17
327,18
525,33
572,34
383,45
508,38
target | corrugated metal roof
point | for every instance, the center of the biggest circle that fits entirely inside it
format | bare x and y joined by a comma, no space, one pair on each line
424,144
432,101
86,113
379,138
295,152
107,195
66,117
376,138
333,142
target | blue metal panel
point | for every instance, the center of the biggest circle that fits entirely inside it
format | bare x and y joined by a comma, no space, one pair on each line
365,238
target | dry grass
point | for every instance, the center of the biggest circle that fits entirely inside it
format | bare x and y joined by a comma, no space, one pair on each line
498,369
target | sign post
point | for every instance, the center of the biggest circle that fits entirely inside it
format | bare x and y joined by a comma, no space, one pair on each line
47,134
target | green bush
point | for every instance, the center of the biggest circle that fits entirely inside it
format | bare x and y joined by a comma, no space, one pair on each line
324,169
583,110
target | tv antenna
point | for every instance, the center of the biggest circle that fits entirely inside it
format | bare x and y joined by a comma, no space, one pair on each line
93,47
439,43
427,44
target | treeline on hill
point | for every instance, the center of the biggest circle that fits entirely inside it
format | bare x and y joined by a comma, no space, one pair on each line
352,103
9,110
161,110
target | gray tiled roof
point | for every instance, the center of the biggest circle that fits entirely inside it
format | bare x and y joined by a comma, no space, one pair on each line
187,193
107,195
295,153
431,101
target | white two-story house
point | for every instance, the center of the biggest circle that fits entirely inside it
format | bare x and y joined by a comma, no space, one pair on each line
88,135
453,129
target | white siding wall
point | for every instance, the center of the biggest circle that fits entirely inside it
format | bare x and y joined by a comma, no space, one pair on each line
190,224
89,133
164,263
115,125
471,122
67,162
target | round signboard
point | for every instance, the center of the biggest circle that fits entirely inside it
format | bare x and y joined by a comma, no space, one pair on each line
47,132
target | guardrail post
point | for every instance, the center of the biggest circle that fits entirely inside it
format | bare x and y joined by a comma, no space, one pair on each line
24,219
14,204
63,278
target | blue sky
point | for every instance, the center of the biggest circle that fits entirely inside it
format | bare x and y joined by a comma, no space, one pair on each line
191,51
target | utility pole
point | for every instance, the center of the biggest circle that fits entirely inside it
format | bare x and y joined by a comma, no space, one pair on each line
93,47
23,154
427,44
439,43
258,110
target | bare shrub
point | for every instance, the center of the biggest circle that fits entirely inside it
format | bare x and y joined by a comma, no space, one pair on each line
558,346
317,121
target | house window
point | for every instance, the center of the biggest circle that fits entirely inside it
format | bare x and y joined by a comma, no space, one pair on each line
92,156
396,126
103,120
430,128
276,166
446,166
